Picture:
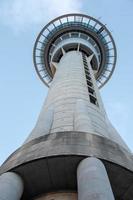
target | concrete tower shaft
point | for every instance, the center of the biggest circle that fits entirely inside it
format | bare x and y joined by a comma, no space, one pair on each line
73,152
73,102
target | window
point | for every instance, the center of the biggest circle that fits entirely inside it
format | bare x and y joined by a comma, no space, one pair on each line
93,99
89,82
88,77
90,90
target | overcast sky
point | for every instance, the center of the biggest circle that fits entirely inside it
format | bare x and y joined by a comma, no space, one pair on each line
22,93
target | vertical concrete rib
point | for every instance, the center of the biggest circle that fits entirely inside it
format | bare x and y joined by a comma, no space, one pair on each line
93,182
11,186
43,125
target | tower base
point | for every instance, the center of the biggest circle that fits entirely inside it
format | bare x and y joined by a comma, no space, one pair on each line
50,163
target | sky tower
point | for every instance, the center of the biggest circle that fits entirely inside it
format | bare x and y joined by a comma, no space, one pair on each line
73,152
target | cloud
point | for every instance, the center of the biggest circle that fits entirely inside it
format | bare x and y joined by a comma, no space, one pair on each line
20,15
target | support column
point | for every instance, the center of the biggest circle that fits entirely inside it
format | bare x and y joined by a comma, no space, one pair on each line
93,182
11,186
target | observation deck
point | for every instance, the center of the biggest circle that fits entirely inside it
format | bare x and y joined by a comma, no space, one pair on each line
75,32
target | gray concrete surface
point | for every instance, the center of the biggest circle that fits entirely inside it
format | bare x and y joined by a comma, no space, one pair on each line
82,121
11,186
93,182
